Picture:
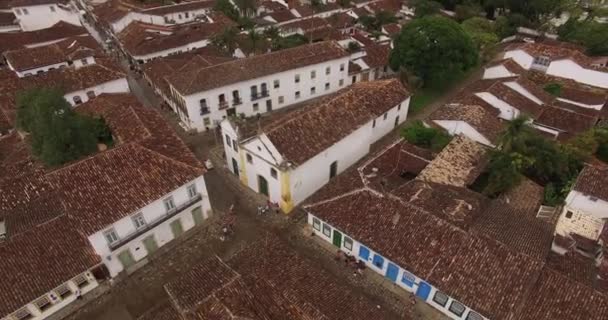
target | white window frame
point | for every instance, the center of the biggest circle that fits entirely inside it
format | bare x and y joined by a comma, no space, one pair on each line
192,192
454,302
169,203
43,303
348,243
447,298
325,225
316,224
138,220
63,291
113,236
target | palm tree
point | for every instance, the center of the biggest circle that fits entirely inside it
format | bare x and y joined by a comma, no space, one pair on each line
226,40
516,130
254,37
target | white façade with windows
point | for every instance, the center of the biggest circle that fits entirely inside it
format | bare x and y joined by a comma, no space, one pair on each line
398,275
36,17
51,302
168,52
166,19
264,94
42,69
127,243
260,166
81,96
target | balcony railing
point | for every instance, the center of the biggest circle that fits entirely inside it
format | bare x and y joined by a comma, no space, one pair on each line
259,95
149,226
237,101
223,105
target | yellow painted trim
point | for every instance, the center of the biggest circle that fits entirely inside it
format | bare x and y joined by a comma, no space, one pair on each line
286,200
242,170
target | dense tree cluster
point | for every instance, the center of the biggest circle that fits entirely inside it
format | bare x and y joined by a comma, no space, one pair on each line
435,49
57,133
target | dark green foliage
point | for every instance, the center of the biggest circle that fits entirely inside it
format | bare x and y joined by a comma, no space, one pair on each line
423,8
375,23
554,89
226,40
290,41
226,7
430,138
353,47
467,11
481,31
589,33
506,26
57,133
602,152
523,152
435,49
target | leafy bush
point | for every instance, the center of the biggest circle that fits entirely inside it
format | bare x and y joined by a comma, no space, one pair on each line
426,137
554,89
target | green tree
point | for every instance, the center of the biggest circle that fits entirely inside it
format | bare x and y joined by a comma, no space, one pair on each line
423,8
504,172
589,33
426,137
385,17
506,26
58,134
482,33
226,40
226,7
353,46
435,49
254,38
467,11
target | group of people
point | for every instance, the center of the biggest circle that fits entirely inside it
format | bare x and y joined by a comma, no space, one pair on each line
357,265
268,208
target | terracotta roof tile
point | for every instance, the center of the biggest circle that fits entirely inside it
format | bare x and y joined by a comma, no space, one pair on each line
180,7
321,125
557,297
69,49
574,266
164,311
254,67
140,39
556,51
515,99
8,19
479,118
566,120
377,55
392,28
41,259
58,31
341,20
458,164
593,181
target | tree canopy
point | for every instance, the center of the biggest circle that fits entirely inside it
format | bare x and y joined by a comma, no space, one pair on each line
435,49
57,133
482,34
426,137
424,8
589,33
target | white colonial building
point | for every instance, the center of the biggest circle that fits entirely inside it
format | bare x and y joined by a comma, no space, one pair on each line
99,217
41,14
290,159
202,97
559,61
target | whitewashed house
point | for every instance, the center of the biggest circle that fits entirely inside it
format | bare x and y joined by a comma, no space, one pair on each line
290,159
30,39
41,14
117,16
584,213
97,217
204,96
560,61
74,52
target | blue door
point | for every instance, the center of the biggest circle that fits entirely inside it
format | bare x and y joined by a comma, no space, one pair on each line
423,290
392,271
363,253
378,261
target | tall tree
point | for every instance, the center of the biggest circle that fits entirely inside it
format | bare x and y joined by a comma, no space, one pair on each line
226,40
435,49
424,8
58,134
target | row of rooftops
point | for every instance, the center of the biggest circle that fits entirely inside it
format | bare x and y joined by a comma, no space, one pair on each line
266,280
50,212
491,255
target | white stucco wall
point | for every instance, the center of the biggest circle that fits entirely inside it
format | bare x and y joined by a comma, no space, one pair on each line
521,90
507,111
454,127
496,72
35,71
115,86
42,17
405,285
521,57
171,51
314,173
581,202
570,70
287,90
152,212
588,106
384,125
57,303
